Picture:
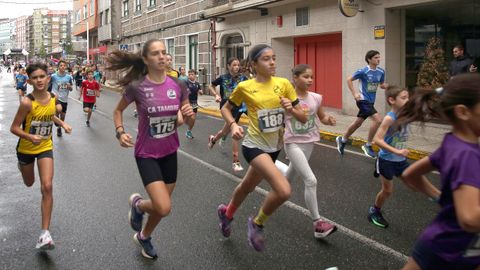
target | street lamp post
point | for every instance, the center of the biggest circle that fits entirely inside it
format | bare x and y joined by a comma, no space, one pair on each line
88,46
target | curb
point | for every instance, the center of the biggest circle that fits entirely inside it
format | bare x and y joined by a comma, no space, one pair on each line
326,135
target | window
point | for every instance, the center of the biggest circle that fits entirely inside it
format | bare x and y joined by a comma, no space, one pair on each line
125,8
92,7
84,12
166,2
302,16
192,52
171,46
107,15
234,47
101,19
138,6
152,3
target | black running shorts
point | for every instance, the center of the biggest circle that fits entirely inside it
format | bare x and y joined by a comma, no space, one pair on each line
63,104
365,108
25,159
251,153
158,169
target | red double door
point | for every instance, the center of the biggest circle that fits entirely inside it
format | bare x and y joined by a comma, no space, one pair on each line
324,54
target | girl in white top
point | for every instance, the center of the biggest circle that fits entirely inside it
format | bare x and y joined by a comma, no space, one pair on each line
299,141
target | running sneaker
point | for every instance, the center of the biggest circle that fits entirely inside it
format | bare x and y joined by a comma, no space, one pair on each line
45,241
376,217
256,239
189,134
221,143
368,151
340,145
134,215
224,224
322,229
211,141
237,166
59,132
148,251
87,123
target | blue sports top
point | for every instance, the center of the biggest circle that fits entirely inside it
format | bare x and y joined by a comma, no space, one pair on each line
370,79
394,138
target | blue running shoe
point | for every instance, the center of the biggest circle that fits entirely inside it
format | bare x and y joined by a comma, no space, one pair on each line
340,145
376,217
189,134
148,251
256,239
134,215
368,151
224,221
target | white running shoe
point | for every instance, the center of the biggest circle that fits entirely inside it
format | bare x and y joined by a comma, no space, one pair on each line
211,141
237,167
45,242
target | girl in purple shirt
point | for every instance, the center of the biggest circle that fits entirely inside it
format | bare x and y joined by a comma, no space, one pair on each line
162,105
452,240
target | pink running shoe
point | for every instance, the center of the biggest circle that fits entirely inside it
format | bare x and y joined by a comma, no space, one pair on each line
224,221
323,229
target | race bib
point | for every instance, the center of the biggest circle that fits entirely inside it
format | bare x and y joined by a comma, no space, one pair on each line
473,249
372,87
270,120
90,92
43,129
301,128
161,127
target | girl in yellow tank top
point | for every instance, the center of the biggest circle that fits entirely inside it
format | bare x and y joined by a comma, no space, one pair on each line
33,124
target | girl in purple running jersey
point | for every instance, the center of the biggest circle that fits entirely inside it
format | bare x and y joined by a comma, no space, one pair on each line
162,105
452,240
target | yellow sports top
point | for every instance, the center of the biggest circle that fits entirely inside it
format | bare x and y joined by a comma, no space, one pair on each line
265,113
39,121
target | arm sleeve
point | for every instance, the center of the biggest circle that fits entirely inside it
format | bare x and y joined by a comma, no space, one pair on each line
129,93
217,81
357,75
382,80
237,96
435,157
463,172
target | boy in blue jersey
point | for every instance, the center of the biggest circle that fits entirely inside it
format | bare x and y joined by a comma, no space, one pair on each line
62,83
21,83
371,77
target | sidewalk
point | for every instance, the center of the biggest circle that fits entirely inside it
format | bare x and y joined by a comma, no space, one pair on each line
422,140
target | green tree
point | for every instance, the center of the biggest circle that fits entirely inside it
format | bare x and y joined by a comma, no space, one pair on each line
42,53
68,46
433,72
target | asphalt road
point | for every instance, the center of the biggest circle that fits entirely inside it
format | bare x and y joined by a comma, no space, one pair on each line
94,177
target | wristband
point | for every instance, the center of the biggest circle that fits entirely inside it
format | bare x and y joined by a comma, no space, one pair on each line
116,128
230,125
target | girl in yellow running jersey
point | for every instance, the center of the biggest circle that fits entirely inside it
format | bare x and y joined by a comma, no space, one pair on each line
33,123
267,98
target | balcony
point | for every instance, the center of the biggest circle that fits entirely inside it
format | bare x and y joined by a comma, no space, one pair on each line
105,32
222,7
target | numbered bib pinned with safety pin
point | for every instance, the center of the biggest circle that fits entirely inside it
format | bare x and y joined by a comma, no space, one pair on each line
43,129
161,127
270,120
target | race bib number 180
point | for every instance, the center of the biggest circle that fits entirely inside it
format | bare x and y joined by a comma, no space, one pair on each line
161,127
270,120
43,129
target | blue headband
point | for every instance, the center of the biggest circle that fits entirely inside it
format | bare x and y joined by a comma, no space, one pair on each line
260,52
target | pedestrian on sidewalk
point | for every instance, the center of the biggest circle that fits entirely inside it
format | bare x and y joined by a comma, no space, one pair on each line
462,62
267,98
162,105
392,158
452,240
300,140
90,90
194,89
33,124
62,85
228,82
370,78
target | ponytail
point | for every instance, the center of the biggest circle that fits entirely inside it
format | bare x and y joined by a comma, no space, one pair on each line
132,63
426,104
